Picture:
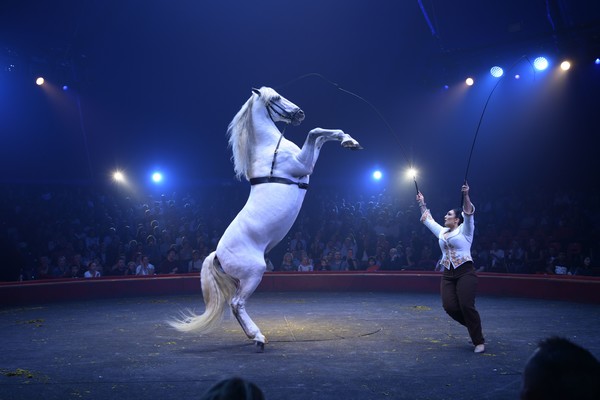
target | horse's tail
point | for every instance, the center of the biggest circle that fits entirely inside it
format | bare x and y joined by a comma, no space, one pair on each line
217,290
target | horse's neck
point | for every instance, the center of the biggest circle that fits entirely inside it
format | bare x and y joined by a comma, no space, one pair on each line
253,152
265,131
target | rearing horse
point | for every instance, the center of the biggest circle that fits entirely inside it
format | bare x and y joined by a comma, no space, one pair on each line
278,172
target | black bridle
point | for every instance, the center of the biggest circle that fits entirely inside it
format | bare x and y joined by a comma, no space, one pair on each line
274,108
277,109
288,117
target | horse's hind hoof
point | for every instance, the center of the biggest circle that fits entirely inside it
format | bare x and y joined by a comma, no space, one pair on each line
260,346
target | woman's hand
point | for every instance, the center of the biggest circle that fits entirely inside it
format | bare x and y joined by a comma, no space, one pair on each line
420,198
467,205
465,189
421,201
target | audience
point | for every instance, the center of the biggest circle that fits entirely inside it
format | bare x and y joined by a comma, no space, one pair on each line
287,263
195,264
171,264
324,265
92,271
559,369
233,389
306,264
120,268
55,231
350,263
145,268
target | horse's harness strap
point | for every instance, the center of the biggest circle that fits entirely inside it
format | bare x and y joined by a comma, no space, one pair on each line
276,179
276,151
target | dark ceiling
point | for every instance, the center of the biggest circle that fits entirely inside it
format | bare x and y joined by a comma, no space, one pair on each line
154,83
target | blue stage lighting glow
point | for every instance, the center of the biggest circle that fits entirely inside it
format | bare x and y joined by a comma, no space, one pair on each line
377,175
157,177
469,81
65,88
540,63
597,61
517,76
496,72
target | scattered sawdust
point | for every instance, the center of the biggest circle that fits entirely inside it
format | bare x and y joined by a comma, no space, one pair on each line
19,372
24,373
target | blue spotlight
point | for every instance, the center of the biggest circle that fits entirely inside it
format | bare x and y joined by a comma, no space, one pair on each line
540,63
496,71
377,175
597,61
157,177
65,88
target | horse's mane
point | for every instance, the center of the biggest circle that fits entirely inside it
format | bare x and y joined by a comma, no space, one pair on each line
240,132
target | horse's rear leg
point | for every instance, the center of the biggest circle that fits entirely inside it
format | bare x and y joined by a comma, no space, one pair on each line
238,307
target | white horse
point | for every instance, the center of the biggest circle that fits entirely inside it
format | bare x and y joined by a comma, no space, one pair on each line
278,171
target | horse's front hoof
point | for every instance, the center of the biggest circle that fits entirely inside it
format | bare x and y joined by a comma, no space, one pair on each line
352,145
260,346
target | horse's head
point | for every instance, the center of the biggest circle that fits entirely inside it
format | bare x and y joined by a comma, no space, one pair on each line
278,107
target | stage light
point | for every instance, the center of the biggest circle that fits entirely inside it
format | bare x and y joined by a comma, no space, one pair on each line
597,61
157,177
412,174
517,76
377,175
39,81
496,71
565,65
469,81
446,87
118,176
540,63
65,88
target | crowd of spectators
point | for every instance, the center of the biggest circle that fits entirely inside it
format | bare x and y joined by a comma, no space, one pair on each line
70,231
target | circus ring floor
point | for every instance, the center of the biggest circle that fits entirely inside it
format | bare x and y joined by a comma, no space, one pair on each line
331,336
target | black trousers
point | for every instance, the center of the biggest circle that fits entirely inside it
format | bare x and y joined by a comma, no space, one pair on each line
458,288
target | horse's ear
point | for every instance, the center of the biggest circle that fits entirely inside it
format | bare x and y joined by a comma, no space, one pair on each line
256,91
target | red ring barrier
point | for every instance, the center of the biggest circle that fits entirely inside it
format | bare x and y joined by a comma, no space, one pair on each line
555,287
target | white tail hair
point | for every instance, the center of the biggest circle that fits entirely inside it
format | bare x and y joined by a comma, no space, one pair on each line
218,289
